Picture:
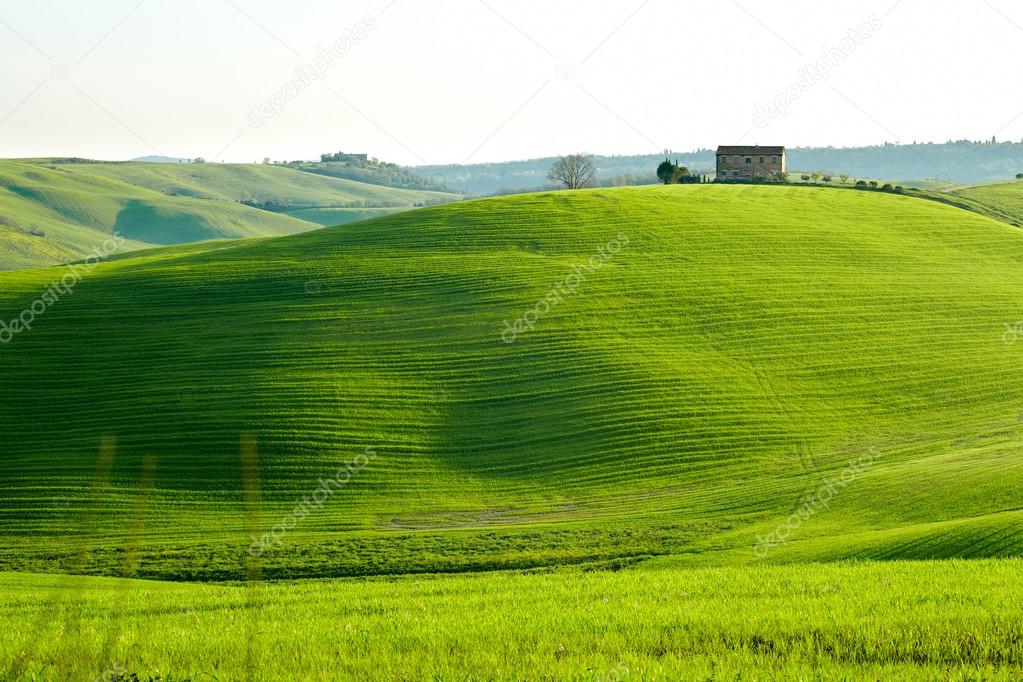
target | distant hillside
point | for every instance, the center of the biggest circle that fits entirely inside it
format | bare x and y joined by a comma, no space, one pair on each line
954,162
340,216
50,214
564,378
1005,198
373,172
281,186
530,175
160,159
55,210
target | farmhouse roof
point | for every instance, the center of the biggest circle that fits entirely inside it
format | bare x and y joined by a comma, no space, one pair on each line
741,151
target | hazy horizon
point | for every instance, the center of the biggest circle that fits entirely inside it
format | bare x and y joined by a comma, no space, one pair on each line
491,81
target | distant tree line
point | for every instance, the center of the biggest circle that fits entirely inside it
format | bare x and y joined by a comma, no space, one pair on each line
827,179
579,170
626,180
960,162
375,173
361,168
279,205
271,204
345,156
886,187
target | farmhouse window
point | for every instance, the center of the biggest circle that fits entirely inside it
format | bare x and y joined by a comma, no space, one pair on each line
749,159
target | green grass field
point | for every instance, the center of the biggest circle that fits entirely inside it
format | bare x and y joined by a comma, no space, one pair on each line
57,212
1004,197
906,621
743,346
728,384
328,217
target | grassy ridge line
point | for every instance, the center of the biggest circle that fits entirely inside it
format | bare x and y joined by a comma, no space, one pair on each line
746,343
912,621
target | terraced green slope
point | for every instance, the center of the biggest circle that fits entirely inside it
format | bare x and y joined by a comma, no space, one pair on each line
729,361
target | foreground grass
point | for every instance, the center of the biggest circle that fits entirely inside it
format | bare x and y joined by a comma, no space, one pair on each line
950,620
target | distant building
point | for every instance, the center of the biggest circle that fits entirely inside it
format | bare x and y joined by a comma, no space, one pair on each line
344,157
737,164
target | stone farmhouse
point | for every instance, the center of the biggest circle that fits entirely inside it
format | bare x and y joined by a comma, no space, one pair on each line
746,164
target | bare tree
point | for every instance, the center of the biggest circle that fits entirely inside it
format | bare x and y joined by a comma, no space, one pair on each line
573,171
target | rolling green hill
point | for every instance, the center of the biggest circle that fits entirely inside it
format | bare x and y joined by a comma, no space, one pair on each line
1005,199
258,183
699,389
54,212
329,217
51,214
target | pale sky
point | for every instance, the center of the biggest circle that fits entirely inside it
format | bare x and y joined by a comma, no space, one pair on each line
450,81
